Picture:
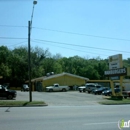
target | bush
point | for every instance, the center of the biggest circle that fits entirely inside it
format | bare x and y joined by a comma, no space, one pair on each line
117,97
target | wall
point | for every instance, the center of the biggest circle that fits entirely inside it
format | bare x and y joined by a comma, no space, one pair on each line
64,80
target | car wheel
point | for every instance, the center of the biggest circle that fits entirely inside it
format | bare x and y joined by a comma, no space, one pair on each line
63,90
50,90
98,93
125,97
109,94
9,97
84,90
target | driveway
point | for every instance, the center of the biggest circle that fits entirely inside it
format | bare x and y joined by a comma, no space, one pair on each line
70,98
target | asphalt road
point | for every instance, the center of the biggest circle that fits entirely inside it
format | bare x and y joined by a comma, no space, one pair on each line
70,98
91,117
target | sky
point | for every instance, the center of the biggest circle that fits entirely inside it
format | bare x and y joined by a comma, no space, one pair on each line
86,28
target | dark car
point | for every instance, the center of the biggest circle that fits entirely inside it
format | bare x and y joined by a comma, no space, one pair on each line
109,92
25,88
7,93
91,88
99,90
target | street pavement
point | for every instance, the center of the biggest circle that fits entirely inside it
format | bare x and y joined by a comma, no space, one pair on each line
70,98
91,117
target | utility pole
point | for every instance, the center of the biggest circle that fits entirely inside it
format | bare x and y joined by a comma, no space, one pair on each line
29,50
29,62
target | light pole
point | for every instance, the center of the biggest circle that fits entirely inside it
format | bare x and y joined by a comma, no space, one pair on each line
29,61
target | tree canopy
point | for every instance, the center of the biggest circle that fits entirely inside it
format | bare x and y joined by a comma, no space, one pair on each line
14,65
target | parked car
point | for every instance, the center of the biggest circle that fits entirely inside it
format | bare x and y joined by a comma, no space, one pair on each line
82,89
109,92
7,93
100,90
25,88
89,87
57,87
126,94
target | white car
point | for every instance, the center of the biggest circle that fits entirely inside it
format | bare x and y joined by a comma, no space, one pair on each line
25,88
57,87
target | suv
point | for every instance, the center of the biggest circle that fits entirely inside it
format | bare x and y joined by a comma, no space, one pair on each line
89,87
25,88
7,93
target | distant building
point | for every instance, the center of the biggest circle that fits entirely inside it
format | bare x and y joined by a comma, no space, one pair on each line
71,80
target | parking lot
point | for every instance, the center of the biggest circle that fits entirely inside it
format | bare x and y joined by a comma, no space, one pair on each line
70,98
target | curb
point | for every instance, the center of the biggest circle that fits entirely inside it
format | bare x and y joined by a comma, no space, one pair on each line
37,105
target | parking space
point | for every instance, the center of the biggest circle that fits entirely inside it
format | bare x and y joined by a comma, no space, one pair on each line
71,98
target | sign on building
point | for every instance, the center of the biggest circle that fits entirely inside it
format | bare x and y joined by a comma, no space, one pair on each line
115,62
115,72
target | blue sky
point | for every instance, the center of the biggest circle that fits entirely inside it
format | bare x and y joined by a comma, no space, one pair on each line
87,28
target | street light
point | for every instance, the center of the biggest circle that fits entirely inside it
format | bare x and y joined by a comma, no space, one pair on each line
29,61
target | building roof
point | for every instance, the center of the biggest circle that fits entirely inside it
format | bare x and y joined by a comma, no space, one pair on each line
58,75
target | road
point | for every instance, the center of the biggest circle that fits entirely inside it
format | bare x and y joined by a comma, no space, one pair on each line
71,98
91,117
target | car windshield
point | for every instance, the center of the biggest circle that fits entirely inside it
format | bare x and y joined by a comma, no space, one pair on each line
25,86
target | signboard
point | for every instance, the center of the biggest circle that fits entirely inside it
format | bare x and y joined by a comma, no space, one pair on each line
128,71
115,72
115,62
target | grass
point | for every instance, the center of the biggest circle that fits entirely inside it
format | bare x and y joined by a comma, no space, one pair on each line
22,103
111,101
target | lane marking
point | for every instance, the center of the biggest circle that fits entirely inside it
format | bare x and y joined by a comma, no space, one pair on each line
101,123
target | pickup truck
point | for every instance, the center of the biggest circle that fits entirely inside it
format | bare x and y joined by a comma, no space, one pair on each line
57,87
7,93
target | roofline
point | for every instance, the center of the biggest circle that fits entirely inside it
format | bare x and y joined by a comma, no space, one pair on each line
64,73
57,75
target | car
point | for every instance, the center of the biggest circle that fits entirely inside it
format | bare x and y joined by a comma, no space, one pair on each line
100,90
109,92
82,89
89,87
85,88
56,87
126,94
25,88
92,87
7,93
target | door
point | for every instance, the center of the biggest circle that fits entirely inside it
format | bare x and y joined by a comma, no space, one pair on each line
56,88
2,92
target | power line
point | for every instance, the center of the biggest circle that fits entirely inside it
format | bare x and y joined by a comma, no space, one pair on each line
73,49
13,26
88,35
80,45
65,44
12,38
72,33
18,43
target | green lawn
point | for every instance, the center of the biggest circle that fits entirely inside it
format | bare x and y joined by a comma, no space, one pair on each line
22,103
109,101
